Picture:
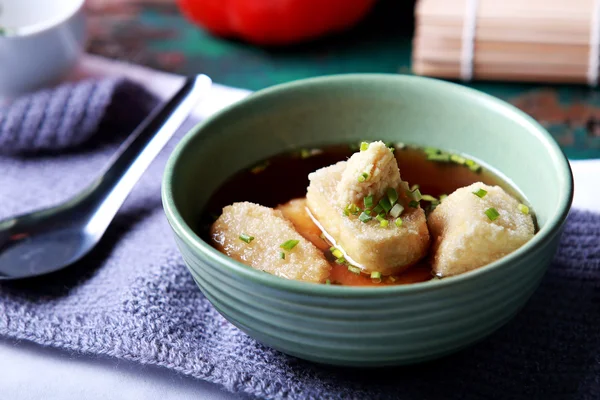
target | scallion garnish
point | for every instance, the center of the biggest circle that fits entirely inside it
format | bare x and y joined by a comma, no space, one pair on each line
340,261
364,217
414,204
443,157
305,153
363,177
492,213
352,209
337,253
473,166
396,210
398,222
353,269
384,223
328,282
457,159
415,195
392,196
377,209
429,198
376,276
414,187
289,244
431,150
364,146
480,193
246,238
282,255
443,197
524,209
385,204
259,168
368,200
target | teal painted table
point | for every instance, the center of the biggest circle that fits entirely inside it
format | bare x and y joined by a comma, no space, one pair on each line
161,38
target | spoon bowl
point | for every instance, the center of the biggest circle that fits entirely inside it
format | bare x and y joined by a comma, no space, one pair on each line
51,239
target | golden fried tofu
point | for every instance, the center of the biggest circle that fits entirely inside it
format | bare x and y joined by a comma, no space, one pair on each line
388,250
368,172
465,237
253,235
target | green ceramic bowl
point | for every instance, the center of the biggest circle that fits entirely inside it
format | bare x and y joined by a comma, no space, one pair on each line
368,326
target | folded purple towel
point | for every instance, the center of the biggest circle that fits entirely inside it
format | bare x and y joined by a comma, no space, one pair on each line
71,114
132,298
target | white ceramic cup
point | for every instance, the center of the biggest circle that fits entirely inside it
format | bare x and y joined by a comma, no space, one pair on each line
40,43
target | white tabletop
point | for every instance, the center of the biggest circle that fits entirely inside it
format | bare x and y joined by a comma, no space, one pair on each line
29,371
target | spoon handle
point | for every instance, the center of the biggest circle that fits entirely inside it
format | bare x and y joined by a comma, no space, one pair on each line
138,151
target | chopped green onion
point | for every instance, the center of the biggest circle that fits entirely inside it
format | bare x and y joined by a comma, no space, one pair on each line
389,144
364,217
473,166
328,282
415,195
429,198
396,210
524,209
443,197
384,223
340,261
363,177
305,153
246,238
392,195
438,157
368,200
480,193
352,209
364,146
337,253
391,278
376,276
289,244
398,222
458,159
414,187
380,217
385,204
353,269
492,213
431,150
414,204
282,255
377,209
260,167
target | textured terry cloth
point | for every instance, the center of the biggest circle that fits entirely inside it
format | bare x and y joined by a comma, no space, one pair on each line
71,114
132,298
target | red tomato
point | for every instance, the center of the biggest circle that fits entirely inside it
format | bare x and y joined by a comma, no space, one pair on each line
275,22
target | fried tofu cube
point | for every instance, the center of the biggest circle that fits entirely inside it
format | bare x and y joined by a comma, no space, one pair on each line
465,237
368,172
388,250
268,230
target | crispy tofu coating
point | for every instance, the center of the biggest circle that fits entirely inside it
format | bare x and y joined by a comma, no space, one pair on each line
368,172
268,230
388,249
465,238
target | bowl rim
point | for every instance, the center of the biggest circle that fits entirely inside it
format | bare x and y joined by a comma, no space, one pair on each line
547,233
61,19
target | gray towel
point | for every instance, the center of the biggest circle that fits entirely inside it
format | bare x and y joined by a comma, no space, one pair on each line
132,298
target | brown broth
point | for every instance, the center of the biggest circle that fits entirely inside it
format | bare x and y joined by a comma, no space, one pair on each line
284,177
